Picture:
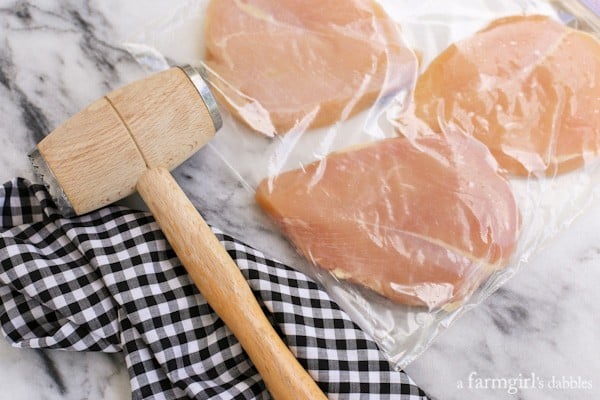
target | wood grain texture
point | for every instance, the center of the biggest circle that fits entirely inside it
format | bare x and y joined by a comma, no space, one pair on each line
93,157
130,139
98,155
224,287
166,116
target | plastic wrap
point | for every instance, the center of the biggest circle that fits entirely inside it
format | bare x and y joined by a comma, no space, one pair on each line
417,154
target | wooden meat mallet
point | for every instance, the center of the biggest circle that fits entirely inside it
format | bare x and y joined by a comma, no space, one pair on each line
129,140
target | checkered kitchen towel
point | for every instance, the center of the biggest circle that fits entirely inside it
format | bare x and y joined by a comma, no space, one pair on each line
108,281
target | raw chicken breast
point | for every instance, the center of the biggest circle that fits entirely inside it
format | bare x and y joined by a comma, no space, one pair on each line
420,221
526,86
280,64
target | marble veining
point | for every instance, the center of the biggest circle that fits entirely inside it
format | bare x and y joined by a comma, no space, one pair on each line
543,322
58,56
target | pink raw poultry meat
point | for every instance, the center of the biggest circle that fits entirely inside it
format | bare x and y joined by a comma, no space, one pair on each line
422,221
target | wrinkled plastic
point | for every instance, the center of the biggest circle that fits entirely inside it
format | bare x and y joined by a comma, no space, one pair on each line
526,87
414,154
295,65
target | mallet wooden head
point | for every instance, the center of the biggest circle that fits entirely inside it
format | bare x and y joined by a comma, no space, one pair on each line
98,156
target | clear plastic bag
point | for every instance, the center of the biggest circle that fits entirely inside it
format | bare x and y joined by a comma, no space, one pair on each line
401,204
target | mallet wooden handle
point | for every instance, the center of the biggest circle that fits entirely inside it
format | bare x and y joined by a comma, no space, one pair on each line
130,139
220,281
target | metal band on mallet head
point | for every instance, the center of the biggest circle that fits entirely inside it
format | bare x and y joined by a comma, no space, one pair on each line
145,119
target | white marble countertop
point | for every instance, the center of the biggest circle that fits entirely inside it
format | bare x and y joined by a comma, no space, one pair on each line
56,56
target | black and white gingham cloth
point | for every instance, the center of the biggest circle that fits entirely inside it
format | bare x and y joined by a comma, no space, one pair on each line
108,281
